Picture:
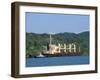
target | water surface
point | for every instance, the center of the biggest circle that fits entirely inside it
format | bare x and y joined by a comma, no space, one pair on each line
55,61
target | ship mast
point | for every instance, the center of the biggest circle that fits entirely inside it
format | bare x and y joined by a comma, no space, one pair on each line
50,40
50,44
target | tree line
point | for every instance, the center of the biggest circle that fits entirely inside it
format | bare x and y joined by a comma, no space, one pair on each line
35,43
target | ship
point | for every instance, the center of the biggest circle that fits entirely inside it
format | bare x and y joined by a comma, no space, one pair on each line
53,50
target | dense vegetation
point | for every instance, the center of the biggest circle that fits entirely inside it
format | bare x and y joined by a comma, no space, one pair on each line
35,43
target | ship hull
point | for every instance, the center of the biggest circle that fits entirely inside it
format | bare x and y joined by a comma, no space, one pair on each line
61,54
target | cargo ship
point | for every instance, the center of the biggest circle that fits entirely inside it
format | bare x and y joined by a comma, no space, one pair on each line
61,50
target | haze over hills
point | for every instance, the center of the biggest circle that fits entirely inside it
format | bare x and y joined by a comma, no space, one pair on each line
36,42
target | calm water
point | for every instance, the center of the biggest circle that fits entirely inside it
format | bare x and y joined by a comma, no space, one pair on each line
54,61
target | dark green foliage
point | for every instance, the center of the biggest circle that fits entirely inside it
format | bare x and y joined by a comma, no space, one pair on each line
36,43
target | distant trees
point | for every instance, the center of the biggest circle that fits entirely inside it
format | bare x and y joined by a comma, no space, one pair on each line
36,43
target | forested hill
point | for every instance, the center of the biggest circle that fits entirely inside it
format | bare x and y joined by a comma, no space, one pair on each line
37,42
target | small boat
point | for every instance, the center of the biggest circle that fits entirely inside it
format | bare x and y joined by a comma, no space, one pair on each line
39,56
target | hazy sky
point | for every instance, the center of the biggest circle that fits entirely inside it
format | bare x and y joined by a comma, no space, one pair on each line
56,23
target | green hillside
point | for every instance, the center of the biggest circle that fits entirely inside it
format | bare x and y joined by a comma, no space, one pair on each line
35,43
